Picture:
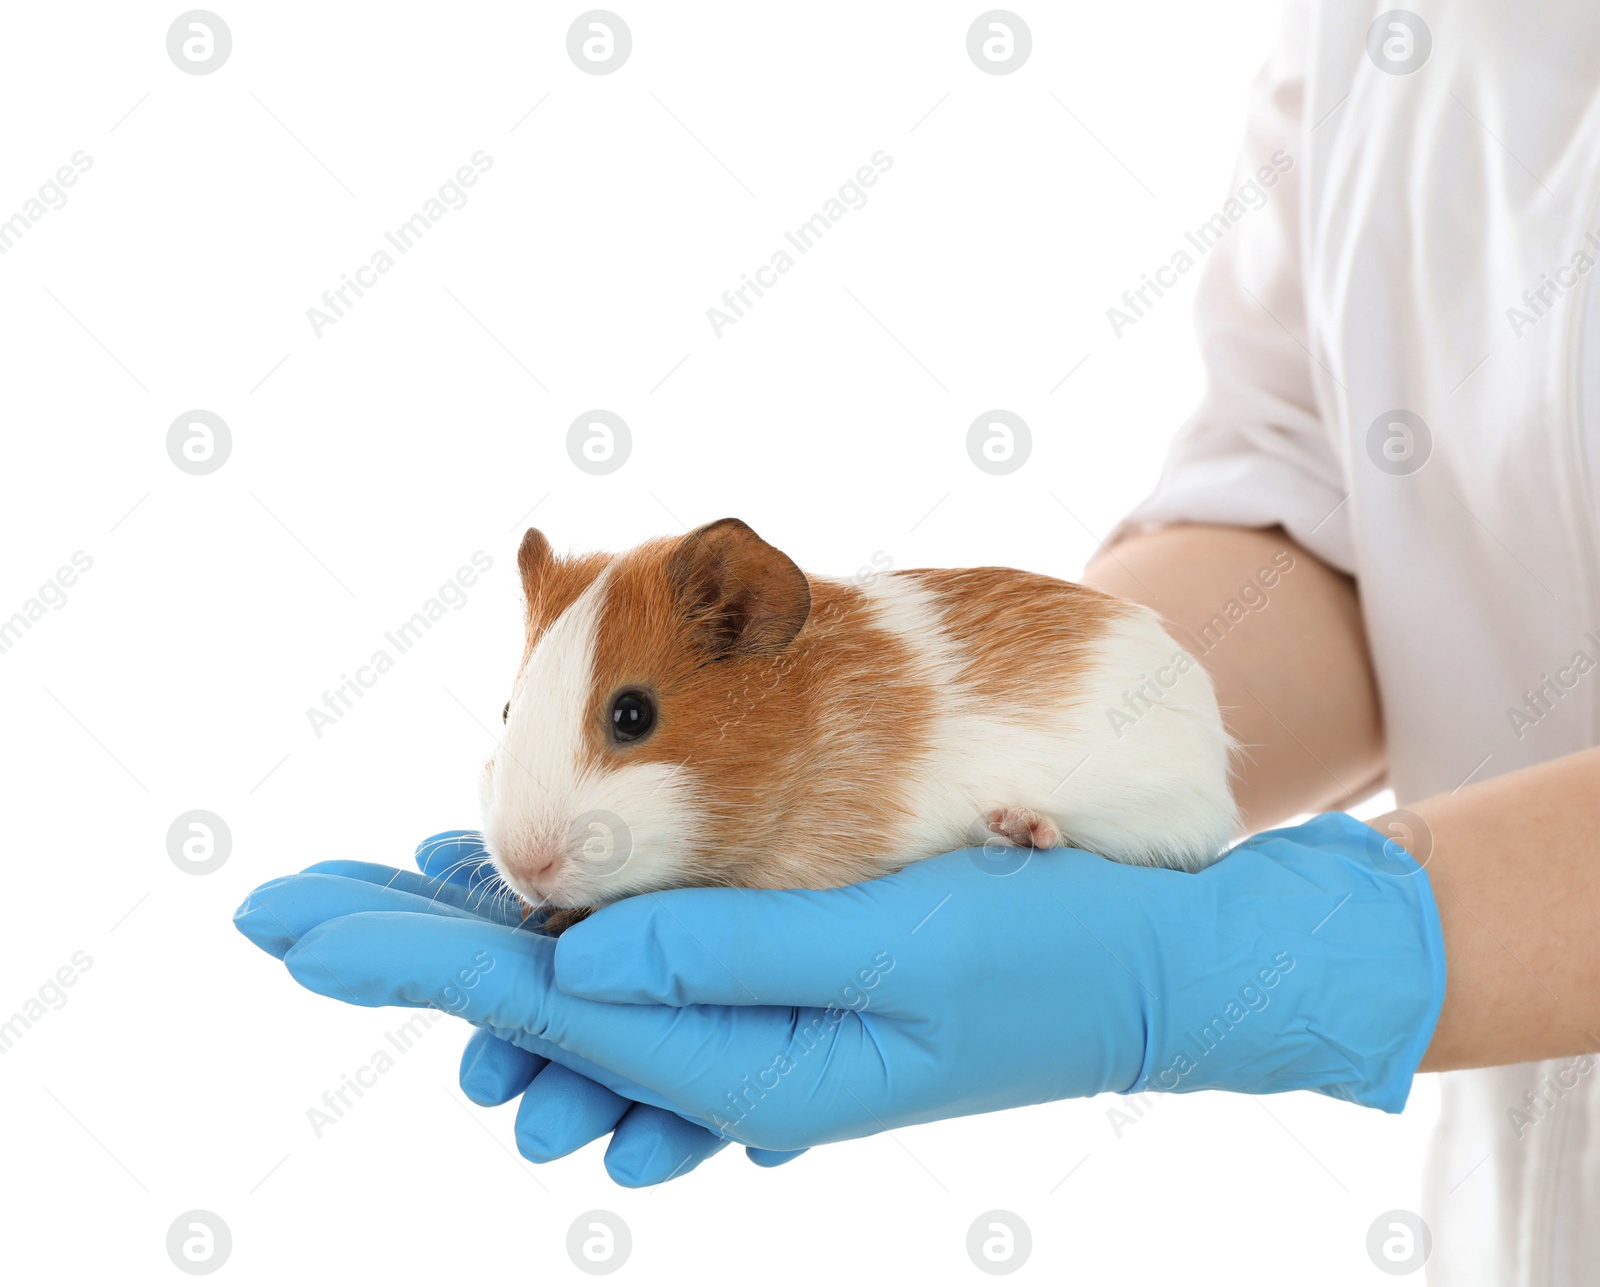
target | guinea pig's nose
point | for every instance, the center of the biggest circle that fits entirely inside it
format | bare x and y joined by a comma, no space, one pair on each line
537,865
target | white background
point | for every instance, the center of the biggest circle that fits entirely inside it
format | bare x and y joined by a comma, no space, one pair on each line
426,424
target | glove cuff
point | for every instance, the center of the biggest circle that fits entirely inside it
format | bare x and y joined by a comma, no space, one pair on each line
1323,969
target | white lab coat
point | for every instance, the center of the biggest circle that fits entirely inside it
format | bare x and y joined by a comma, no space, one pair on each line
1381,276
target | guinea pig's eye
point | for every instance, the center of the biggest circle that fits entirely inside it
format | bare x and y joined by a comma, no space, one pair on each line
633,715
505,715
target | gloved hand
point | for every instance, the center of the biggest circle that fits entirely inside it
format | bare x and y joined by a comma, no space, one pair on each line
1309,958
561,1111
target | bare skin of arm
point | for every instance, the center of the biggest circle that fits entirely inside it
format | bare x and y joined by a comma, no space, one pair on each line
1514,861
1292,674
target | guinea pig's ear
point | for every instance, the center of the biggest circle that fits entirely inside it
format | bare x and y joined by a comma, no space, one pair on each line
533,561
743,597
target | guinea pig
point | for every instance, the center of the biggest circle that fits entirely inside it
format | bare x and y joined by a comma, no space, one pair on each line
699,711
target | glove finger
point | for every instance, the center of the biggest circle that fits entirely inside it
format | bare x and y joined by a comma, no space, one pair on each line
718,1127
772,1157
550,1052
494,1071
688,1060
417,955
742,1115
741,947
562,1111
456,856
488,898
652,1146
278,914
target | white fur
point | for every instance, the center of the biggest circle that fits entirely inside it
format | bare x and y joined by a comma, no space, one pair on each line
1156,794
538,796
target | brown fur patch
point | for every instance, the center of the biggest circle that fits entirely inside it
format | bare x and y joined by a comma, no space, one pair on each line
790,754
551,583
1019,632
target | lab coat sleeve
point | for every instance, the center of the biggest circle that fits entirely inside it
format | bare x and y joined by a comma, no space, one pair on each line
1256,451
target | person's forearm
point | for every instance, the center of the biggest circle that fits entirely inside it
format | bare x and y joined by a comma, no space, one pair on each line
1280,634
1515,866
1514,861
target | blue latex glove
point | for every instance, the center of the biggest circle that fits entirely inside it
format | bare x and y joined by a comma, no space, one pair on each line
1309,958
561,1111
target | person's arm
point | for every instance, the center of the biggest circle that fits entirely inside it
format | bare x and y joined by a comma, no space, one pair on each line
1515,866
1514,860
1280,634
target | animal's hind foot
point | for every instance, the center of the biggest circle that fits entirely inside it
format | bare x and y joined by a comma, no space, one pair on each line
1023,828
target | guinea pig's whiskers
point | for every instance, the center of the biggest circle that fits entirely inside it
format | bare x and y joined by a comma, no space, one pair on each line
487,888
433,847
485,884
454,867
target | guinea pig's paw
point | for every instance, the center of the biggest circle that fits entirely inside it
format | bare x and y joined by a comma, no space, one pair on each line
559,919
1023,828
